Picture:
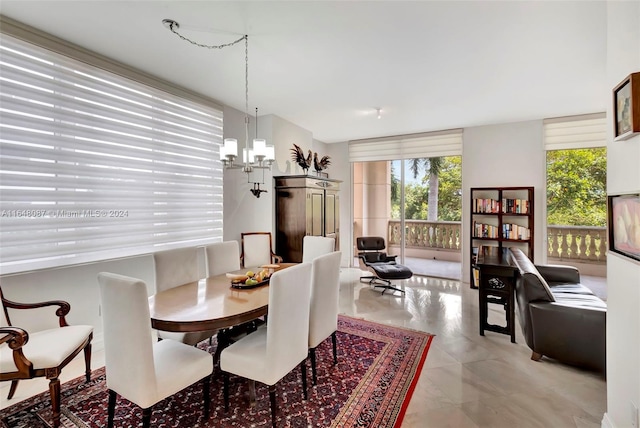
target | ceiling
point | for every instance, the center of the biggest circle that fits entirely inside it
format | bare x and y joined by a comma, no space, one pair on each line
326,66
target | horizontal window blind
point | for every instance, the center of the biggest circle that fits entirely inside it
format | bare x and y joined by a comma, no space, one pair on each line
413,146
96,166
575,132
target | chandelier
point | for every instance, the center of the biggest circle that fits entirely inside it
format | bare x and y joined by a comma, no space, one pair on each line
259,155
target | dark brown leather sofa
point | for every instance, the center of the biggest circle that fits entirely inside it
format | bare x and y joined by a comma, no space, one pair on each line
560,318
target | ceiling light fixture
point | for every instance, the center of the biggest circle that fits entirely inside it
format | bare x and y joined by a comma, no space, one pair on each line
260,155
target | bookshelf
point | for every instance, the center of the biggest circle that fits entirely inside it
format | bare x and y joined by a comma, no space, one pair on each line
501,217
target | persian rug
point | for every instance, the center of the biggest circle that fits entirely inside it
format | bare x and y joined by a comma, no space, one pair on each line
378,368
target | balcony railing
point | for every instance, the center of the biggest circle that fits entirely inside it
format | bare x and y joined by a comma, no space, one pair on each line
579,243
442,235
570,243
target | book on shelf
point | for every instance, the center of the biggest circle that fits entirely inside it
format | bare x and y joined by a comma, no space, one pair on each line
476,277
486,206
515,231
481,230
515,206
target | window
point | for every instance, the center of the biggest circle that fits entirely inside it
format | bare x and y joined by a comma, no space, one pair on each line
94,165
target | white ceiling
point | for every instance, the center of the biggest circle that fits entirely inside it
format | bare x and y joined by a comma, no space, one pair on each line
326,66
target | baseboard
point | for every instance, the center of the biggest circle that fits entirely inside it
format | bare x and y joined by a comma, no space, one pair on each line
607,422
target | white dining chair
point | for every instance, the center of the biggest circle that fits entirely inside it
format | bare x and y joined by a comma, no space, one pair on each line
323,316
257,249
314,246
222,257
272,351
174,268
137,368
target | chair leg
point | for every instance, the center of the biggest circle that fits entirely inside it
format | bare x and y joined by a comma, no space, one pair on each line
386,286
225,390
334,341
87,362
12,389
54,390
303,369
312,357
272,399
111,410
146,417
206,388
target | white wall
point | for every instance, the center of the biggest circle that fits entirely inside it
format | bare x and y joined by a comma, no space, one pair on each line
340,169
623,274
243,212
77,285
504,155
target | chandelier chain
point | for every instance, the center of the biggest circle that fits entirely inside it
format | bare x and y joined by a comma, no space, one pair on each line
225,45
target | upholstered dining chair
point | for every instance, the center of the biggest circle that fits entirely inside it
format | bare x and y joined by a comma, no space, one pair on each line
137,368
314,246
257,249
323,316
30,354
271,352
222,257
174,268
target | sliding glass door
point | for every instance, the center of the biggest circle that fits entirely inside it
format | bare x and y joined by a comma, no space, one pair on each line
415,205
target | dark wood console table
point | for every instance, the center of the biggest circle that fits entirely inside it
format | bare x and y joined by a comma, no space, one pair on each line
497,285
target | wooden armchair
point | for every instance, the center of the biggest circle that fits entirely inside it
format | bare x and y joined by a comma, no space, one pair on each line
27,355
257,249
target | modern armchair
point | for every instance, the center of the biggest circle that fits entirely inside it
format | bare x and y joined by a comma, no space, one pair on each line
271,352
174,268
323,316
137,368
257,249
314,246
27,355
382,265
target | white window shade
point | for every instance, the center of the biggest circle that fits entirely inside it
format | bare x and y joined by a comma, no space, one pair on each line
414,146
575,132
95,166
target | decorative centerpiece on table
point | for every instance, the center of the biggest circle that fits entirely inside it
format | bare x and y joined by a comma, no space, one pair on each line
319,164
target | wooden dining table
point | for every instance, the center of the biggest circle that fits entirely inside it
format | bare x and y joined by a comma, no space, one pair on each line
209,304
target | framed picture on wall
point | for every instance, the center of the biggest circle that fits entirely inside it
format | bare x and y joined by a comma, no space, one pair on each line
626,107
624,224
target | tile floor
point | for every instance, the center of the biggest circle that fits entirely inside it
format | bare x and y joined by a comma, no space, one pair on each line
468,380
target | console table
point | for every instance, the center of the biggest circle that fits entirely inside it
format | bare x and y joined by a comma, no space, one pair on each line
497,285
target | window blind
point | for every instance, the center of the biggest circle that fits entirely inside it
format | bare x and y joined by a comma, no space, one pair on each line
94,165
575,132
413,146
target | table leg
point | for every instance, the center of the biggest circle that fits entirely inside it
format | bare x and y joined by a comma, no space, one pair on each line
252,392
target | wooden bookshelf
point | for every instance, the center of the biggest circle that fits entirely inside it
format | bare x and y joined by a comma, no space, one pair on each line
501,217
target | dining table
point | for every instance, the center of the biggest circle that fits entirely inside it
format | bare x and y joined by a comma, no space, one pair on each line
213,303
210,304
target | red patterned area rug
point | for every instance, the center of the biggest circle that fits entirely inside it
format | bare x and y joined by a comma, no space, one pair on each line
378,367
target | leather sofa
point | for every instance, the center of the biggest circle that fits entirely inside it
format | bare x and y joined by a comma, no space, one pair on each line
560,318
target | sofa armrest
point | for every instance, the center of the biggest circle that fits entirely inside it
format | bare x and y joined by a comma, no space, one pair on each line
559,273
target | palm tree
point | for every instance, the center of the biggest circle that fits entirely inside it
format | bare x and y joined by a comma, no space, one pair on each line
433,167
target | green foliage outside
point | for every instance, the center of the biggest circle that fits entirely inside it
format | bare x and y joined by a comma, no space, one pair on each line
577,187
417,195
